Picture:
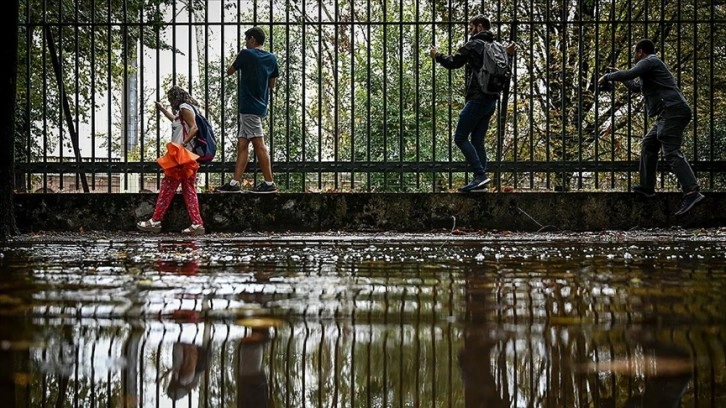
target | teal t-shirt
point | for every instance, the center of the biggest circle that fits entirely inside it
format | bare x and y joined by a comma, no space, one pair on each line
255,67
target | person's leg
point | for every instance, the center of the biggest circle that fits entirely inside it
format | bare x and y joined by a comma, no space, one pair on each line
650,147
469,118
166,195
480,131
243,157
670,135
191,200
263,158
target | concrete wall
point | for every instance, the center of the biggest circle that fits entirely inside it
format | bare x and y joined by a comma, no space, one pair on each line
406,212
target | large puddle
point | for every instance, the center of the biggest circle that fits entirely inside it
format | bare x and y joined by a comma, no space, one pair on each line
355,322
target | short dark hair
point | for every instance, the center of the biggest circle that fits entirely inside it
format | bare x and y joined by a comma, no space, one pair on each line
257,34
646,46
481,19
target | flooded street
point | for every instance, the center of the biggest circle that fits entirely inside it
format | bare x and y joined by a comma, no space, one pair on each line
472,320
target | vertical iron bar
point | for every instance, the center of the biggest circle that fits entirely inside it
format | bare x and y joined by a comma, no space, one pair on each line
29,140
514,29
696,46
368,95
433,94
417,93
352,91
614,129
304,94
711,81
401,105
548,64
288,91
599,71
582,83
384,70
336,95
629,132
76,119
530,72
563,94
57,57
125,100
320,91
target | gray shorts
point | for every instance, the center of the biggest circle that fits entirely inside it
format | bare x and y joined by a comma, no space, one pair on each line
250,126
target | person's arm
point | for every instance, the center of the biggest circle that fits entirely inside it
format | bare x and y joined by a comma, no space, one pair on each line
629,78
190,118
271,83
232,68
634,85
640,69
163,110
456,60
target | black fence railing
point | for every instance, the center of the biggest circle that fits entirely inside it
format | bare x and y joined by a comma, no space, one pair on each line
359,104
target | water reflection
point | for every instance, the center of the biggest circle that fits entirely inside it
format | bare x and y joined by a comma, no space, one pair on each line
354,324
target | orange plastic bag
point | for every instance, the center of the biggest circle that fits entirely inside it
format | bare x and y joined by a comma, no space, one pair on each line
178,162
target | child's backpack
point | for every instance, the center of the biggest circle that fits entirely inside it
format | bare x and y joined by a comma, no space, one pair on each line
205,145
496,69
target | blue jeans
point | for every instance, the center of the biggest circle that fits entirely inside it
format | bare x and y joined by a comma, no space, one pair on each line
474,121
667,135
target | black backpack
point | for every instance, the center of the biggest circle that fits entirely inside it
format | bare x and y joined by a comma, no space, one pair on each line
496,68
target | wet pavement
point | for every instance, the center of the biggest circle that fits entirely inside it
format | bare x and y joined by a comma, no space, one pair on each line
446,319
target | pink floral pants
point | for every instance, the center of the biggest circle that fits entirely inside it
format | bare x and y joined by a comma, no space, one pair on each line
166,195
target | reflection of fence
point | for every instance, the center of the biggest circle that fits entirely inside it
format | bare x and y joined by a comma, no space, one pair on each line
390,357
358,105
366,325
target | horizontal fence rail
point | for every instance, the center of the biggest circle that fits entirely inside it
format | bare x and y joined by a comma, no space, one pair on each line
359,104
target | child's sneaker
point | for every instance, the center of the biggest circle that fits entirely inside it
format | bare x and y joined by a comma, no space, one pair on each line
149,225
194,229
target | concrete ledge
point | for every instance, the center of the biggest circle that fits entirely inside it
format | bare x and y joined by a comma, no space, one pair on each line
405,212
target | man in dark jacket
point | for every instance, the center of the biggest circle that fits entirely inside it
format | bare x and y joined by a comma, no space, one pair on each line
479,108
665,101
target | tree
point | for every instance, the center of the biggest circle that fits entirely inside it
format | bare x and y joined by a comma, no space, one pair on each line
88,43
8,225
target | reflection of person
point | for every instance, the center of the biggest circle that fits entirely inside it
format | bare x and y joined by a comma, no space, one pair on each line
479,108
480,386
258,71
665,101
184,127
189,362
252,388
667,381
666,368
178,258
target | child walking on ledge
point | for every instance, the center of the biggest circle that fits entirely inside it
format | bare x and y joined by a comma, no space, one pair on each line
184,170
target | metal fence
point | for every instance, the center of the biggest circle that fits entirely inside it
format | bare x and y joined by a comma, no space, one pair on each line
359,105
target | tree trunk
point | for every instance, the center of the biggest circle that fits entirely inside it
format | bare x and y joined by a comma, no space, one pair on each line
8,226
